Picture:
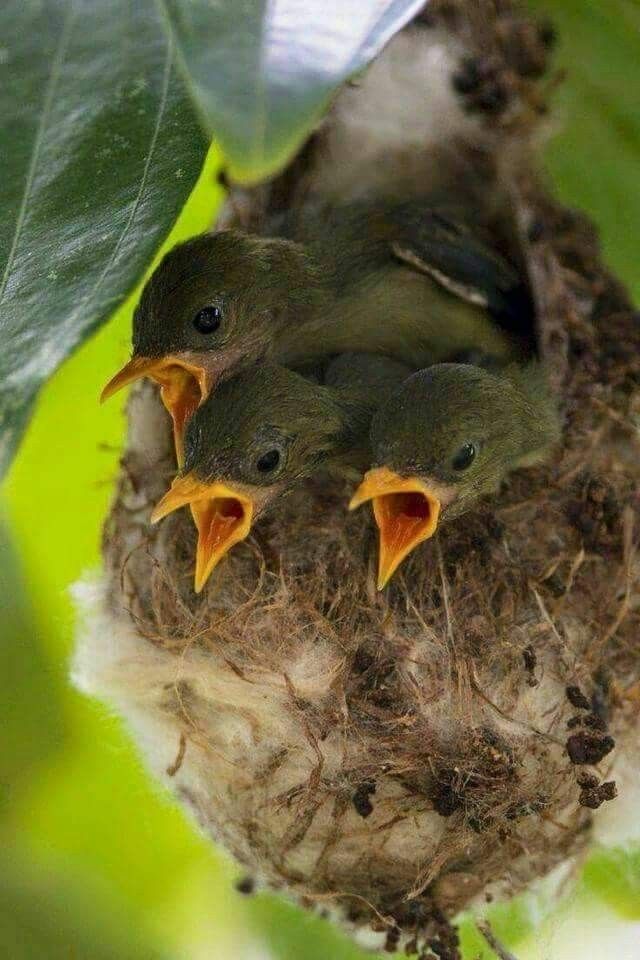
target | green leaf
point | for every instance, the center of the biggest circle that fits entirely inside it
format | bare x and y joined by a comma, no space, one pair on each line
32,723
48,912
594,155
293,934
101,147
614,876
263,71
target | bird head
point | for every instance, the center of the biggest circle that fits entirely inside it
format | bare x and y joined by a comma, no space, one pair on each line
261,433
213,304
447,436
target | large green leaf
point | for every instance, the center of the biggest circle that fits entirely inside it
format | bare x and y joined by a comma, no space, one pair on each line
595,155
100,149
614,876
263,71
30,694
47,913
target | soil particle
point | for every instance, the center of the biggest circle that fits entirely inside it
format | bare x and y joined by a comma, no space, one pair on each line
594,797
589,748
577,699
246,885
361,800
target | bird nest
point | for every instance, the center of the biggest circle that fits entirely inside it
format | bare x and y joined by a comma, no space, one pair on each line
396,756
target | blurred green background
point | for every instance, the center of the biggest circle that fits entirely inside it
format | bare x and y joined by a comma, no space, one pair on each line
95,860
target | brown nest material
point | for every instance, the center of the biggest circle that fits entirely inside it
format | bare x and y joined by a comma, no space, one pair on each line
398,755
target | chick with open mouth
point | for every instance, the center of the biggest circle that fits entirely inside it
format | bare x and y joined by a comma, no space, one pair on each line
449,435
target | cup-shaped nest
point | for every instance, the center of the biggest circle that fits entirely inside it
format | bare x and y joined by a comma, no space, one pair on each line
395,756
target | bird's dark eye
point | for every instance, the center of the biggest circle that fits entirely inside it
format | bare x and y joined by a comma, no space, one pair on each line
208,319
464,457
268,461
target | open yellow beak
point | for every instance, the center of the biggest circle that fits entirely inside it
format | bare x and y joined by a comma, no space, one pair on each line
406,511
183,387
222,515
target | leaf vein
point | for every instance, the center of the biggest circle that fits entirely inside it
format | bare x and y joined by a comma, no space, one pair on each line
47,103
164,96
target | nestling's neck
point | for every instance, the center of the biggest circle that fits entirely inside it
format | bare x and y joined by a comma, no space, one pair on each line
539,410
305,295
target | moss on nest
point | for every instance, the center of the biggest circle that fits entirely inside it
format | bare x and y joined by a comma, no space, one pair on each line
397,755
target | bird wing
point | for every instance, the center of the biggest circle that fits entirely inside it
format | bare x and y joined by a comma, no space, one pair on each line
446,250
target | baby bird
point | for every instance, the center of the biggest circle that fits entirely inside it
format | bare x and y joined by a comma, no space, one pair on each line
449,435
407,279
265,431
